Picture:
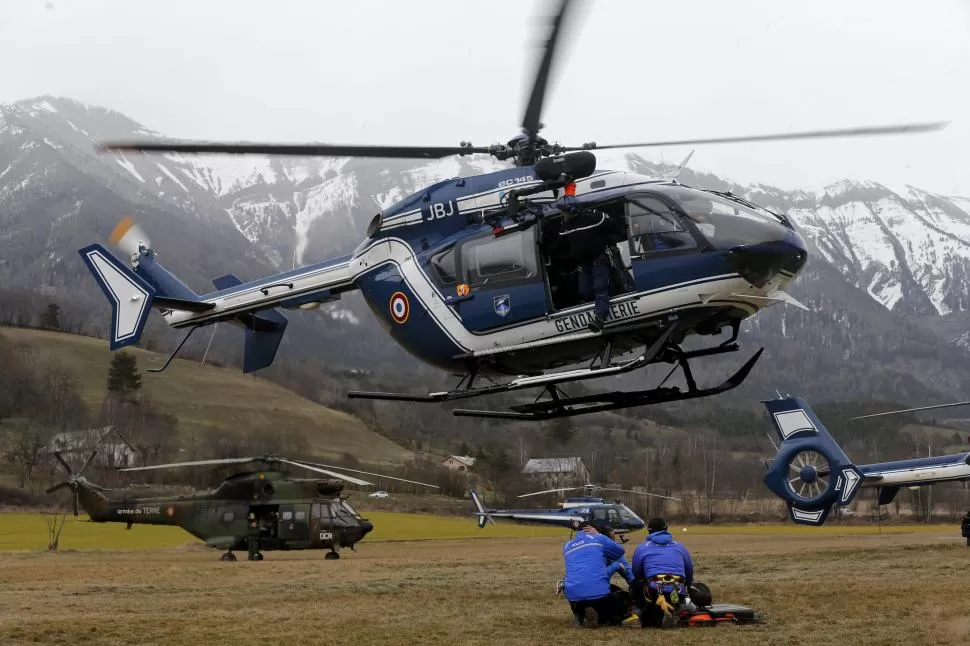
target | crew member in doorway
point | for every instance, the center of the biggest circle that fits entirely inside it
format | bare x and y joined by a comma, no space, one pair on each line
589,235
965,528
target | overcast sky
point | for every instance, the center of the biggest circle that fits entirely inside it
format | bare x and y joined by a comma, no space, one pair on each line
435,72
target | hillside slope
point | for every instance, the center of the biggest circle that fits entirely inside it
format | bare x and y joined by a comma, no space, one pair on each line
209,396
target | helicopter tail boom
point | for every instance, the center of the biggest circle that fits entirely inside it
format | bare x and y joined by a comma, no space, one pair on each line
134,290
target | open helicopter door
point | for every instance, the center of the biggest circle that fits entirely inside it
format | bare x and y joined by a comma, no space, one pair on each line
505,277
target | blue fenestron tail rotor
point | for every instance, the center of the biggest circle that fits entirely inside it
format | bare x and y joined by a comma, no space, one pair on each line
810,473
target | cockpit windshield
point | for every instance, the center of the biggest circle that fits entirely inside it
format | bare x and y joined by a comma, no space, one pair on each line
347,507
727,222
626,513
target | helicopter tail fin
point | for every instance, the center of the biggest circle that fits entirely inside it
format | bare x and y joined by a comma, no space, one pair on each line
675,172
811,472
264,330
133,291
480,510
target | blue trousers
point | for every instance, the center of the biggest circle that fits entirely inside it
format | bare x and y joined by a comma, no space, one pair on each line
594,282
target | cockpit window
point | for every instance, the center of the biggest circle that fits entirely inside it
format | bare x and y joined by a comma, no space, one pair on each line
443,264
494,260
353,512
626,514
654,228
725,222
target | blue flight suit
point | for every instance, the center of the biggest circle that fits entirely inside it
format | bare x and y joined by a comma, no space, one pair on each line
590,560
660,556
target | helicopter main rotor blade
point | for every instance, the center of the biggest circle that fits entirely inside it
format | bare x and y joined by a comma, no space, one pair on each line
369,473
87,462
332,474
60,458
537,493
533,109
912,410
642,493
908,128
195,463
57,487
297,150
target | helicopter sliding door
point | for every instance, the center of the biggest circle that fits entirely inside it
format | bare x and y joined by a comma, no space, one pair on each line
505,280
294,527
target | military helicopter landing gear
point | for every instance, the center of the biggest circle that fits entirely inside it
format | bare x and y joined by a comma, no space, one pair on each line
256,556
331,556
228,556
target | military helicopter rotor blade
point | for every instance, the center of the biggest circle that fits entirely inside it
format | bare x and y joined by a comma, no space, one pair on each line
367,473
60,458
297,150
57,487
539,493
533,109
912,410
332,474
195,463
642,493
909,128
84,466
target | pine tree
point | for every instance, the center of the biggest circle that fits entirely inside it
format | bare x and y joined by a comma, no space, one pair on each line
123,376
50,318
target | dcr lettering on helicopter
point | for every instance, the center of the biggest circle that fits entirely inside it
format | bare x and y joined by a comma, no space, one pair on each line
618,311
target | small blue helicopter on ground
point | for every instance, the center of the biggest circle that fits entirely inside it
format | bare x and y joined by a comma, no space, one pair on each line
571,512
470,274
812,473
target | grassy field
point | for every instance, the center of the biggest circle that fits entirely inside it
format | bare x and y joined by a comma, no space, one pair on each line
903,586
209,396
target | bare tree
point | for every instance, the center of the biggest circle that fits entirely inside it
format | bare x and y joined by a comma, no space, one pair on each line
25,443
55,525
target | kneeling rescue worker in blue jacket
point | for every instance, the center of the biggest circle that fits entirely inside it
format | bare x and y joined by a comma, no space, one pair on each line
591,558
663,573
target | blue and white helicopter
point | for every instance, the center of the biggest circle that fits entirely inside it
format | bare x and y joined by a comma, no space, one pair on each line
812,473
571,512
469,274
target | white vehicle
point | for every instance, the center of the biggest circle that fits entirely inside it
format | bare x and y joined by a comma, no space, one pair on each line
379,494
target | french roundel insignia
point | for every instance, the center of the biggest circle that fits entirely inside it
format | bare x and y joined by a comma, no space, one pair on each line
400,308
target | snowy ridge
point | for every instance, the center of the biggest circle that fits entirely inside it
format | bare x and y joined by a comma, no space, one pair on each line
909,249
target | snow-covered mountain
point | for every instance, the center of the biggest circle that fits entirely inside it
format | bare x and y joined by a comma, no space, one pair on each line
905,251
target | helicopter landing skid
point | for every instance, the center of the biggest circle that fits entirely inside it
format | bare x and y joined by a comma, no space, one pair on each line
605,369
560,405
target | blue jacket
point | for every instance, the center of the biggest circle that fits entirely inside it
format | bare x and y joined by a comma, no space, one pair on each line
590,561
661,554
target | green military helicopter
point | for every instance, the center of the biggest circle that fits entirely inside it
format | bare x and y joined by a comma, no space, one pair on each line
255,509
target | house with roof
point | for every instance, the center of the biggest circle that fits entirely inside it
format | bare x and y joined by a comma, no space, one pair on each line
557,472
458,463
113,450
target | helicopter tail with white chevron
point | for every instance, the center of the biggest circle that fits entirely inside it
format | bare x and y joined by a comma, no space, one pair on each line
135,289
812,473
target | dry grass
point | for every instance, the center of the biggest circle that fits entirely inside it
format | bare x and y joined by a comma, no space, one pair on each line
900,587
209,396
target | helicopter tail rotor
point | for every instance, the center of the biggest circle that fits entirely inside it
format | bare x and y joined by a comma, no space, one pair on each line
74,479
